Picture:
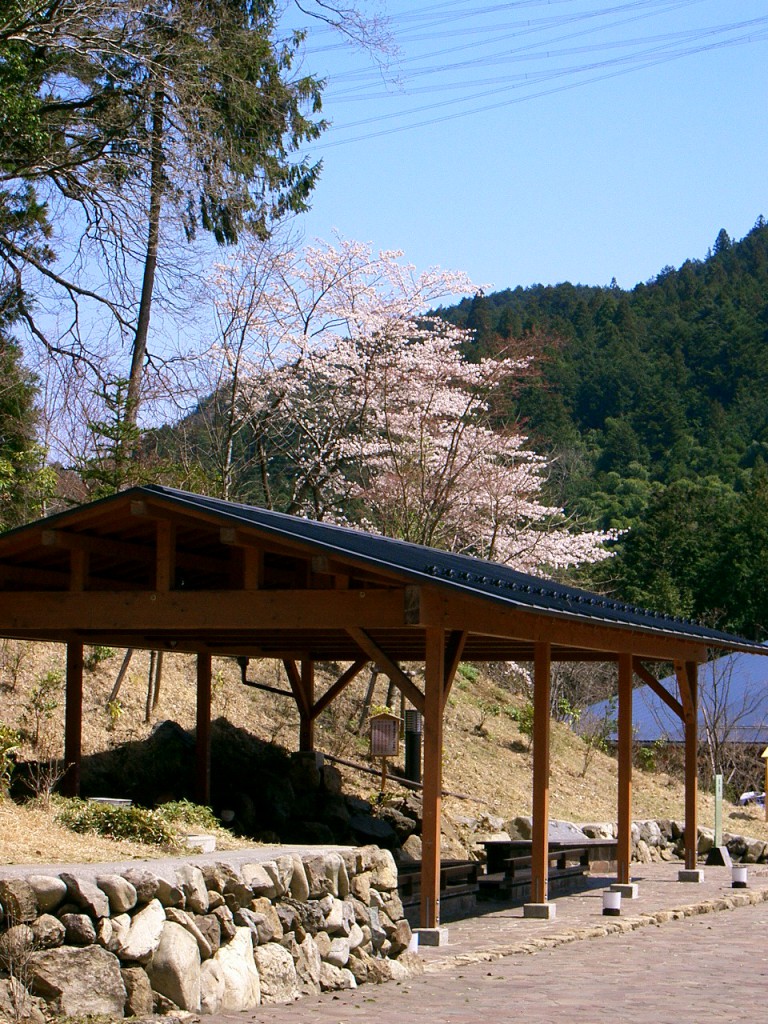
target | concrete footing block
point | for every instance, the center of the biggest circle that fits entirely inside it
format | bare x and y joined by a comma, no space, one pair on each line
628,890
540,911
432,936
690,875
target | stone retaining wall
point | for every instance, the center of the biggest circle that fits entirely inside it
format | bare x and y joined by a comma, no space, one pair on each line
652,840
214,938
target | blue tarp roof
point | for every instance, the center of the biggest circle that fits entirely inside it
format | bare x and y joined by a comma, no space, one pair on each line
733,695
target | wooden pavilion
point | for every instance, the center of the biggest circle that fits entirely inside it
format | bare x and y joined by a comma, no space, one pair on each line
161,569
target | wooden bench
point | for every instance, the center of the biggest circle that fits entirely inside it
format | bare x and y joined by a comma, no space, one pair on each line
509,863
459,885
560,862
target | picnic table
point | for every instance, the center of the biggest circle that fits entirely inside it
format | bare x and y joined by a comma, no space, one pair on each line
508,863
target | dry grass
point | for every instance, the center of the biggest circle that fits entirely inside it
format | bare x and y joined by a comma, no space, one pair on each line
486,757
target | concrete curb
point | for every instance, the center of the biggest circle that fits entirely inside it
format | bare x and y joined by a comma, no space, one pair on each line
613,926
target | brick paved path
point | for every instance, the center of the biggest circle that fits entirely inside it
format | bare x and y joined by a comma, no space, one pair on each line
692,967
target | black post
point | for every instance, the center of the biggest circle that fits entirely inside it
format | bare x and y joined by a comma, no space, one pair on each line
413,723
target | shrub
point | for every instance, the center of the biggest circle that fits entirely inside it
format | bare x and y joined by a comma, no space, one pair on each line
9,742
41,705
96,655
184,812
133,823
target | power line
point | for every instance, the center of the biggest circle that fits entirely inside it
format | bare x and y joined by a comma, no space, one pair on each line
548,60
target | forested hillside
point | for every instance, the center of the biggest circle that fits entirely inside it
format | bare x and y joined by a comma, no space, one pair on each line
655,403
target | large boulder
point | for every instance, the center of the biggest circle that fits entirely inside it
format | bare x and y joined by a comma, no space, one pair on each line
259,880
18,900
212,986
76,982
80,929
139,1001
86,895
189,923
145,882
48,932
277,974
308,965
144,933
174,969
50,892
241,984
16,1004
192,883
121,894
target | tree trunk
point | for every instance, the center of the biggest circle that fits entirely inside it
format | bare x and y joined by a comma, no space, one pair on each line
139,351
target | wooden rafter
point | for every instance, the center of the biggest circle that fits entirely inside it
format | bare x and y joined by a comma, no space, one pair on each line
341,684
453,651
403,682
653,683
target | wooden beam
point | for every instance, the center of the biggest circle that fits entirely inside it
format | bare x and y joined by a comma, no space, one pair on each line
341,684
661,692
687,679
201,610
294,678
434,671
252,568
403,682
453,651
624,844
73,720
165,558
307,722
203,731
540,825
105,546
78,571
488,618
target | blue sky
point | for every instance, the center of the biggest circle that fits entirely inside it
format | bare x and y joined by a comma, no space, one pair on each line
620,137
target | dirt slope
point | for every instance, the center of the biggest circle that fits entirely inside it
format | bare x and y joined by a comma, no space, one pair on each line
486,758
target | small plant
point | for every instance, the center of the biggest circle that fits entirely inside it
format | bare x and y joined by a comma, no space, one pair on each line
468,671
96,655
136,824
525,721
41,705
596,733
380,709
13,653
9,743
646,758
114,711
184,812
487,709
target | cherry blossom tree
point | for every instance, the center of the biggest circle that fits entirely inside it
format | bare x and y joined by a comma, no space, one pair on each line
363,406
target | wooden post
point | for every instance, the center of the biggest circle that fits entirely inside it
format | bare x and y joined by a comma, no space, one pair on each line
540,825
307,723
203,733
691,766
73,720
433,778
624,844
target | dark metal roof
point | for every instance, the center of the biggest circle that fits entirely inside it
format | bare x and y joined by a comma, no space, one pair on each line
462,573
382,560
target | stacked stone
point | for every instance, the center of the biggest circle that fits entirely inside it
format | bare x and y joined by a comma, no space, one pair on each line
653,840
216,938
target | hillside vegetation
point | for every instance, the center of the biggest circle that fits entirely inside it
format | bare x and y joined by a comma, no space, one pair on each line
487,763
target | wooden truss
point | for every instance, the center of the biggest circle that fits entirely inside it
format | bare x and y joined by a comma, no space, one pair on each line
160,570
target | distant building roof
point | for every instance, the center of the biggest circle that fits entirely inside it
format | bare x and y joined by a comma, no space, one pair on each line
733,696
